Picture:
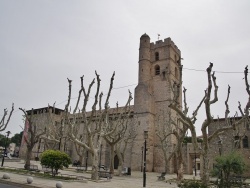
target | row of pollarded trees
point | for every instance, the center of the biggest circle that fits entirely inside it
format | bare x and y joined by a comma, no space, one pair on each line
183,122
86,130
98,124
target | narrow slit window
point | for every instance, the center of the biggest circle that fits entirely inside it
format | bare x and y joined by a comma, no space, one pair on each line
156,56
157,70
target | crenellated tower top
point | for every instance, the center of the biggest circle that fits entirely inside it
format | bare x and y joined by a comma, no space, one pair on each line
166,42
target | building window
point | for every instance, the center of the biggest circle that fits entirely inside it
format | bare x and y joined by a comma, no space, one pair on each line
245,142
156,56
157,69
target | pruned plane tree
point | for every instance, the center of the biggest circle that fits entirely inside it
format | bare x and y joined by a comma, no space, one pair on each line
88,129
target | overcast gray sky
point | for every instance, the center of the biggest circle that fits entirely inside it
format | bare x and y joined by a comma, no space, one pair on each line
43,42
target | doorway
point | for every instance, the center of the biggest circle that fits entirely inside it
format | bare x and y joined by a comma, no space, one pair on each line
116,162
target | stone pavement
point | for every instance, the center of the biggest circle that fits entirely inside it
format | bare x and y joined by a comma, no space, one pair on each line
133,181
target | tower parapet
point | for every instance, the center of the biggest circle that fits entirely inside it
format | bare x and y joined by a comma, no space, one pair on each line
166,42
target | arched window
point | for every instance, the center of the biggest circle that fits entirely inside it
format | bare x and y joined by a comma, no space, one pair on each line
157,69
245,142
176,73
156,56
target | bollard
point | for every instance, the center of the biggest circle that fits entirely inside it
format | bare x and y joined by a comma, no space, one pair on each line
6,176
29,180
59,184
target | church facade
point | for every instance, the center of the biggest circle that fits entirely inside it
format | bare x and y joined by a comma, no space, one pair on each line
159,66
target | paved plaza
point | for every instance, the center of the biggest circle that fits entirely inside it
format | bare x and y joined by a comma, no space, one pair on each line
133,181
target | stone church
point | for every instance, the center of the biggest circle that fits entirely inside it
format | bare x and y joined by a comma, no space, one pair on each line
159,65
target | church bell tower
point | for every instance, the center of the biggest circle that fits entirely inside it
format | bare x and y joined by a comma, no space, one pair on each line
159,66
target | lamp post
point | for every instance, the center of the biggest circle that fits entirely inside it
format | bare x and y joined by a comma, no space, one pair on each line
141,158
195,163
219,143
220,152
145,150
87,154
100,158
59,144
5,147
61,132
65,145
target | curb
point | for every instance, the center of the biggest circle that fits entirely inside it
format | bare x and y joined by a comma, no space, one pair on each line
23,185
23,182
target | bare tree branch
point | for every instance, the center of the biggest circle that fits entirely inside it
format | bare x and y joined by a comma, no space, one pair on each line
4,124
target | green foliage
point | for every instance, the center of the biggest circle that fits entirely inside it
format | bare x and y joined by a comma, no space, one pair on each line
192,184
17,138
55,160
188,139
3,141
227,166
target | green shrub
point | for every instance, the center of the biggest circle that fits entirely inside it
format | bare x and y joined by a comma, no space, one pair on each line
192,184
55,160
227,166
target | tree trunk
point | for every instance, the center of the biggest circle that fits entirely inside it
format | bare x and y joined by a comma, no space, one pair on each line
54,172
179,168
205,172
28,158
120,169
180,173
166,160
112,148
94,174
121,163
81,159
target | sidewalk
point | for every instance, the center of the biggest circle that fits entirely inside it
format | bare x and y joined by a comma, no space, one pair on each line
133,181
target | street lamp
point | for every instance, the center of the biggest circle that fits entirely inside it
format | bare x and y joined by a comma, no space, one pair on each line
65,145
100,158
195,163
220,152
87,154
145,150
5,147
141,158
59,144
220,146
